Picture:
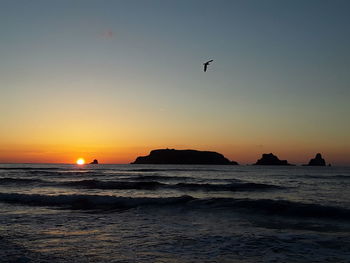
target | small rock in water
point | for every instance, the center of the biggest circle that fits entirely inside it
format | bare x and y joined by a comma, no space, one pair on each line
270,159
317,161
94,162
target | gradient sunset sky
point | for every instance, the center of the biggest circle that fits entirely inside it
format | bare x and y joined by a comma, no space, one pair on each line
113,80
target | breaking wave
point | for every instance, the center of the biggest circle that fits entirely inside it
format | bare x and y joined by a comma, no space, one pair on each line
282,208
152,185
265,206
89,201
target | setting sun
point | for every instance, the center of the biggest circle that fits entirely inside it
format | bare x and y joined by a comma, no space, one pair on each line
80,161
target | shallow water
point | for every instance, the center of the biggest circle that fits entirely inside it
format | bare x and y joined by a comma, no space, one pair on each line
169,213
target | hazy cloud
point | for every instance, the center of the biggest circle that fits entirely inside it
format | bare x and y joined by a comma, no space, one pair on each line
107,34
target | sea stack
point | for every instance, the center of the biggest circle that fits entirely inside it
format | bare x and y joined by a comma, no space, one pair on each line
317,161
270,159
172,156
94,162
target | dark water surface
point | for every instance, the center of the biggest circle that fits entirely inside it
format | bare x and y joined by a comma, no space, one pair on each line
169,213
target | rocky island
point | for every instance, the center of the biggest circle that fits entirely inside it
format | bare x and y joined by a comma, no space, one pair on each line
172,156
317,161
271,159
94,161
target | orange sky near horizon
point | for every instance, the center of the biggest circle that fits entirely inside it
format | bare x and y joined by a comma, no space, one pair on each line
47,132
110,155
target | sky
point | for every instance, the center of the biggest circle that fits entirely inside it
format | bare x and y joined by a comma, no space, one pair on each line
113,80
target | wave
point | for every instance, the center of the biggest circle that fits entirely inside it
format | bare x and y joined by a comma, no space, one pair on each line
95,173
89,201
172,169
143,185
226,187
8,180
102,202
183,178
29,168
152,185
341,176
96,184
331,177
62,173
160,177
281,208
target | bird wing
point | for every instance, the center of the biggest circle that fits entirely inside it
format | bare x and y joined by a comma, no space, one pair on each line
205,67
209,61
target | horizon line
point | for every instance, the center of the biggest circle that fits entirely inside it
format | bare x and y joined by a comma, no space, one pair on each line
243,164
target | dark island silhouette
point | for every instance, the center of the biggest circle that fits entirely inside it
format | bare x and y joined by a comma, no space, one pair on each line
94,162
317,161
271,159
172,156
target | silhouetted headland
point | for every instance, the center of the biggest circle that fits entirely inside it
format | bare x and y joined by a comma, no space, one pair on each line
172,156
317,161
94,162
270,159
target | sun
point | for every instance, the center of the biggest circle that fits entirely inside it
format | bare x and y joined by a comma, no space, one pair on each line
80,161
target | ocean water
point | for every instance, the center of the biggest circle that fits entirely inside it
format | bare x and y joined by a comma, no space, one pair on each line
174,213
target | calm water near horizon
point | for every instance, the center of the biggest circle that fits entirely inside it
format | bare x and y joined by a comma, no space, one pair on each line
174,213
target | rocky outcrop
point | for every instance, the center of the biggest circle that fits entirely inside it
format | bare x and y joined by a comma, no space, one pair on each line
270,159
317,161
172,156
94,162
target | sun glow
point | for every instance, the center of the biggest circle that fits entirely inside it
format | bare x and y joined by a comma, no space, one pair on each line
80,161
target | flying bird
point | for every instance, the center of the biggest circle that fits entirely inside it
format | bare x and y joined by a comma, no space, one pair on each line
206,64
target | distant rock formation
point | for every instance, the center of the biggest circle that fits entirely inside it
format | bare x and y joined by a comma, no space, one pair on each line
270,159
317,161
94,162
172,156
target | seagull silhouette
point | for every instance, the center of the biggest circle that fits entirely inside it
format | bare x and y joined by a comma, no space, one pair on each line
206,64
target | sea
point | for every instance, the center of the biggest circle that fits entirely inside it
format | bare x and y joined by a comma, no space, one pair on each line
174,213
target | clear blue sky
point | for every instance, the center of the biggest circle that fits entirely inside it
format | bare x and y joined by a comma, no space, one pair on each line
128,74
